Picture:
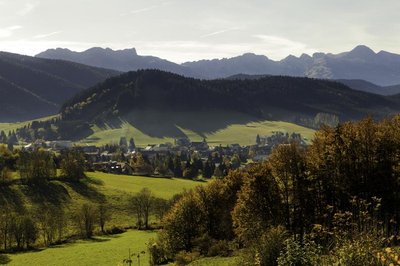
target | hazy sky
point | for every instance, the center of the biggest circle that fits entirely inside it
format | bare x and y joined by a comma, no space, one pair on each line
185,30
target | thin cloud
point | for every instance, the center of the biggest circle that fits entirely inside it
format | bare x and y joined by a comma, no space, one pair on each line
219,32
42,36
137,11
7,32
146,9
28,8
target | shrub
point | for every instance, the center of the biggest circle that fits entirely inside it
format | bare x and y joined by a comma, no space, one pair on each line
220,248
360,251
266,249
157,251
295,253
115,231
5,176
184,258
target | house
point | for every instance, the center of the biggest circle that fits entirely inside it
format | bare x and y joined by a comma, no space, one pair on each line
113,167
61,144
260,157
90,149
199,146
182,142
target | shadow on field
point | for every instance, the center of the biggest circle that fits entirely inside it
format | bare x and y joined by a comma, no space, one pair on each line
49,192
86,190
168,124
94,181
9,196
4,259
97,240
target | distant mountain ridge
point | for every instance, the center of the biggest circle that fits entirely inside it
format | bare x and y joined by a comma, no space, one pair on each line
33,87
121,60
382,68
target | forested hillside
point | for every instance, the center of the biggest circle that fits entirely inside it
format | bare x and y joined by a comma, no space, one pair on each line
273,97
33,87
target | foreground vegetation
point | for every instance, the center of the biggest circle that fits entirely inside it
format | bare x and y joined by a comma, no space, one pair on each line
333,203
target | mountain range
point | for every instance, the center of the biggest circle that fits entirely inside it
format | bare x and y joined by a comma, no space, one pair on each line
361,63
33,87
120,60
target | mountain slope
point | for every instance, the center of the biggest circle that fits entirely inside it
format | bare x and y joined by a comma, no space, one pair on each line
121,60
127,99
33,87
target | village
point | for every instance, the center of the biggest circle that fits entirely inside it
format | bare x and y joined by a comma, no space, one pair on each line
183,158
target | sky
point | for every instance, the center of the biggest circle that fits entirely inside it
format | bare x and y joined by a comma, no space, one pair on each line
189,30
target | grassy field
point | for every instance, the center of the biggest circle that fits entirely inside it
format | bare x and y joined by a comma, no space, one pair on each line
149,127
161,187
13,126
117,189
108,250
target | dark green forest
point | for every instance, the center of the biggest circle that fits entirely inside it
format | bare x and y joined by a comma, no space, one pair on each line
34,87
275,97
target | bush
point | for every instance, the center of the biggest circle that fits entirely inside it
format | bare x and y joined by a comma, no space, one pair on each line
300,255
184,258
115,231
220,248
5,176
360,251
158,253
203,244
266,249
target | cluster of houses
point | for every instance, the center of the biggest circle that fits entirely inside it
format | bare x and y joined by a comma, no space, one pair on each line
115,159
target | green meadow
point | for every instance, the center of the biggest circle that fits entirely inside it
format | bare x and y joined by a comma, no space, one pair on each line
6,127
217,127
105,250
